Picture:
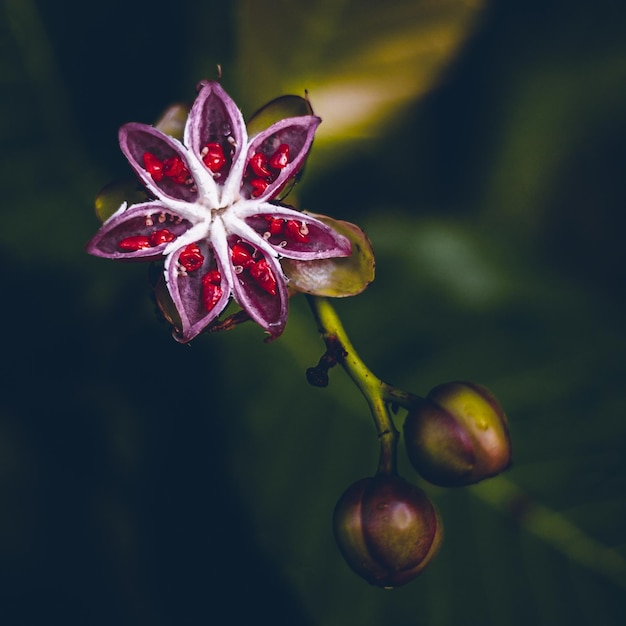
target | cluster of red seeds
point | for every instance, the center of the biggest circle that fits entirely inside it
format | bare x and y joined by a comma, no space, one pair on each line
243,256
172,168
211,289
141,242
191,259
263,169
290,229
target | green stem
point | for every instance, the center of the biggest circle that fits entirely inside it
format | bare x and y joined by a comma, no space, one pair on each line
377,393
399,397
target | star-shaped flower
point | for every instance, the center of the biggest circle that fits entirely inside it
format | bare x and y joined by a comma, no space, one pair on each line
214,217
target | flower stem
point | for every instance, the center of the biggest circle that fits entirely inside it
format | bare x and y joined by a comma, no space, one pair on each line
379,395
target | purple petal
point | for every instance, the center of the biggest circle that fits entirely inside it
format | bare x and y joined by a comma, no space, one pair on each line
297,235
290,139
260,288
215,121
200,293
144,145
141,231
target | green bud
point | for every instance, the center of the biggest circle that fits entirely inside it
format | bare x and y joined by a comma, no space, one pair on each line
387,530
458,435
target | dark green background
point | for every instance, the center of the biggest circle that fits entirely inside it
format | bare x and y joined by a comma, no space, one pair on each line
145,482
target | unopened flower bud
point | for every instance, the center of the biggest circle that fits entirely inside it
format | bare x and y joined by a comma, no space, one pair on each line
387,530
458,435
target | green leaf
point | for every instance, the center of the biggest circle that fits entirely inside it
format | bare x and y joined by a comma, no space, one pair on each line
173,120
113,195
276,110
338,277
359,63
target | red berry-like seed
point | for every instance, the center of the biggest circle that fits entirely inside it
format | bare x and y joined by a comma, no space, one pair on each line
153,166
276,225
258,187
159,237
134,243
262,274
214,157
210,295
212,277
280,158
297,231
258,164
241,255
175,169
191,258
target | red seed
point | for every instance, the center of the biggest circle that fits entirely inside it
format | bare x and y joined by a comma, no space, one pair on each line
212,277
258,164
297,231
262,274
134,243
153,166
191,258
159,237
241,254
280,158
210,295
175,169
258,187
213,156
276,225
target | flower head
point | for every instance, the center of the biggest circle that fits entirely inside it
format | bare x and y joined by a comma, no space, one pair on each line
214,218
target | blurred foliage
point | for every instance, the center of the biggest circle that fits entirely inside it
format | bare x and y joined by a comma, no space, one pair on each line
482,149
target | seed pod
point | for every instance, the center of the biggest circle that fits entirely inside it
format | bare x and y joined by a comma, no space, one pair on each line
458,435
387,530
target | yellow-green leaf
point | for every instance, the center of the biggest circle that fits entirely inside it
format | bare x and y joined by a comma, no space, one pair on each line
338,277
359,63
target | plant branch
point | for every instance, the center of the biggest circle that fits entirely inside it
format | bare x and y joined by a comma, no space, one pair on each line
378,394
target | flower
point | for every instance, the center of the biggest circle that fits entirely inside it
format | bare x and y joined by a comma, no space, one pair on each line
214,217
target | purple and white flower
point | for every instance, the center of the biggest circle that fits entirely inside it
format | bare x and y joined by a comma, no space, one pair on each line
214,217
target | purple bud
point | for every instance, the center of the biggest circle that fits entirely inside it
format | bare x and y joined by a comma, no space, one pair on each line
458,435
387,530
